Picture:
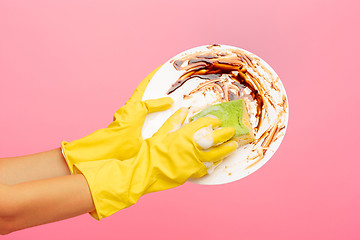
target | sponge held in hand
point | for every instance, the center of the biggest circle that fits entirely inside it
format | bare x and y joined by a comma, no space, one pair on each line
232,114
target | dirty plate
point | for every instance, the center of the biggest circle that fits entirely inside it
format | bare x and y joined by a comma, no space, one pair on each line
215,73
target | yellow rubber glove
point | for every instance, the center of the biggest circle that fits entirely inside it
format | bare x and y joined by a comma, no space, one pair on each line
122,138
164,161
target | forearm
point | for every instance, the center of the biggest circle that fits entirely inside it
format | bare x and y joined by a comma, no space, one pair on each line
45,201
37,166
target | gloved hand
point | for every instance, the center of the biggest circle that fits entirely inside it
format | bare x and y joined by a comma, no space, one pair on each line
122,138
164,161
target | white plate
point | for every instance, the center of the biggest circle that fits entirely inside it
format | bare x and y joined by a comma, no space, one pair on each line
249,158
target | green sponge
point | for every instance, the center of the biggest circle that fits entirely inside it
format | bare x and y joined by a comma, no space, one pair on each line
232,114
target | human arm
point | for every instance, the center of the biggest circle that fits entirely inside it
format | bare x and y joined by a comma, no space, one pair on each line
36,166
38,202
121,139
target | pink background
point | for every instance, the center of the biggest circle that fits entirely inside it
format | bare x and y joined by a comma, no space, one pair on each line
67,66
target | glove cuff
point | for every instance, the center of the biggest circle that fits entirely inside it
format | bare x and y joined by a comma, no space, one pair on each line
66,157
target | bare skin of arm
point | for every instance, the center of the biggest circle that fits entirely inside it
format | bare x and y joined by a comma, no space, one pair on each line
37,166
37,189
43,201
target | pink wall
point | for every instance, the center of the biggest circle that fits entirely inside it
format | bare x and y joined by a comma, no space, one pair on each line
66,66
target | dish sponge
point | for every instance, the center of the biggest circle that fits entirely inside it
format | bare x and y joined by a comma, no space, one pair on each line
232,114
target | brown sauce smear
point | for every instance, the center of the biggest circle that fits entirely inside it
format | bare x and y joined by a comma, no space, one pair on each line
217,67
213,67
